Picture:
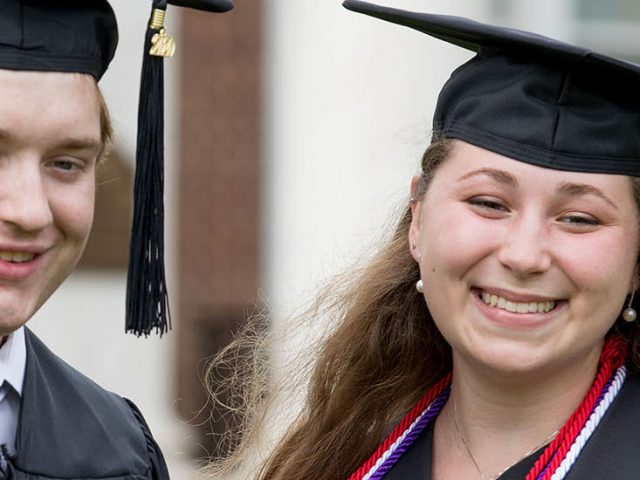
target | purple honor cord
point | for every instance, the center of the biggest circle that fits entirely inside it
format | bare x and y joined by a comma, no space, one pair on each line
411,434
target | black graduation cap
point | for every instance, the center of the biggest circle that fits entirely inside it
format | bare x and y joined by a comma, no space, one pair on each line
533,98
80,36
59,36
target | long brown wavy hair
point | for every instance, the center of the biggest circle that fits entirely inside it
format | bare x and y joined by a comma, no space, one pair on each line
383,352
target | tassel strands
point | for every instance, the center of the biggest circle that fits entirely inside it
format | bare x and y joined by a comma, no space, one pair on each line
147,296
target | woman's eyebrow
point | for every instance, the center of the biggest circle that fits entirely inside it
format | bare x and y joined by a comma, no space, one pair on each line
567,188
499,176
581,189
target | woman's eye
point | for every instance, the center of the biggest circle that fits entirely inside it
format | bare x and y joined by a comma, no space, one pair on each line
580,220
488,204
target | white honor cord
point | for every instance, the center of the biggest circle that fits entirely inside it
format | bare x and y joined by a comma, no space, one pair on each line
395,444
589,427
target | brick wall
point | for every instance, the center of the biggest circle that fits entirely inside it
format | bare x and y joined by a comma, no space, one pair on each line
219,187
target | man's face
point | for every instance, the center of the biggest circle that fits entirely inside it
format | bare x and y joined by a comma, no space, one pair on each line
49,144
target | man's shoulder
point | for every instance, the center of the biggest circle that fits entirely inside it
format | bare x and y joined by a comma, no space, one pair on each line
45,367
69,424
68,388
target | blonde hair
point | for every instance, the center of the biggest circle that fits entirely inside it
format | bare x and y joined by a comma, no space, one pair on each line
106,129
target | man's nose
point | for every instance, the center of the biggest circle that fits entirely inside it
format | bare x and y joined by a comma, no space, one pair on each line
24,203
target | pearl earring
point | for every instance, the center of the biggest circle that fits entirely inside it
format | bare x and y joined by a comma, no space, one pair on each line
420,287
630,314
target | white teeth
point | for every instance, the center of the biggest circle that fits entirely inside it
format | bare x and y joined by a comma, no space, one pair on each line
511,307
516,307
16,257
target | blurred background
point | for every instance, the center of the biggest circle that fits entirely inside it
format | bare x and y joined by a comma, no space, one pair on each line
293,128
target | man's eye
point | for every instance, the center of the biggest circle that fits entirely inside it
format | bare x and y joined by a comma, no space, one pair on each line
66,165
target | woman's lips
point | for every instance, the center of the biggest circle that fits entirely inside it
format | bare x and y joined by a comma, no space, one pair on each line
503,303
516,310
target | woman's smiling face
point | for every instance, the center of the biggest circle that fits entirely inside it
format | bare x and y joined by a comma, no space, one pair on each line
524,267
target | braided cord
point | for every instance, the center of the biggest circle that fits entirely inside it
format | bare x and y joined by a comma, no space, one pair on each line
368,467
590,426
402,444
560,455
612,357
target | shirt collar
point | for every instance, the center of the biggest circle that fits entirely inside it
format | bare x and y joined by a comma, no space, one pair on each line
13,360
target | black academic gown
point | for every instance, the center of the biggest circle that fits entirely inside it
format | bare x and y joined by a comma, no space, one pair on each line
70,428
612,452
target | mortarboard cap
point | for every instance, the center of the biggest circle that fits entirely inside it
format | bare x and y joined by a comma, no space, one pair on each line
533,98
61,36
80,36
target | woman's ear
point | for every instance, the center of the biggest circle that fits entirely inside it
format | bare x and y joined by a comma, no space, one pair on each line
414,228
413,193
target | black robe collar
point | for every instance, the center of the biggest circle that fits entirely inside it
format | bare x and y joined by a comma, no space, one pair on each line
71,428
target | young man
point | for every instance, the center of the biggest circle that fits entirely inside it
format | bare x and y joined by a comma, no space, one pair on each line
54,129
54,422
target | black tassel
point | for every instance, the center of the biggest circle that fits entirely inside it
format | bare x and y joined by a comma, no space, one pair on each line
147,297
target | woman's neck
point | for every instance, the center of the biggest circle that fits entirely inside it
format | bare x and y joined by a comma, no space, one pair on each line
493,420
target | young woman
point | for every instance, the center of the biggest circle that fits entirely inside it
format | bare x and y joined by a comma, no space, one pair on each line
495,336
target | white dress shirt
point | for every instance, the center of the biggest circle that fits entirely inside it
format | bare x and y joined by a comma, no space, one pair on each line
13,361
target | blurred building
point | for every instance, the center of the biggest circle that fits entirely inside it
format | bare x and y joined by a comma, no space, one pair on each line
293,128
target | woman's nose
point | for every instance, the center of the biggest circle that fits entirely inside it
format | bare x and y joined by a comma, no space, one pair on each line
524,247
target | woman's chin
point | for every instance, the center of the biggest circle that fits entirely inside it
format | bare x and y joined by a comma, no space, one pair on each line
507,357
